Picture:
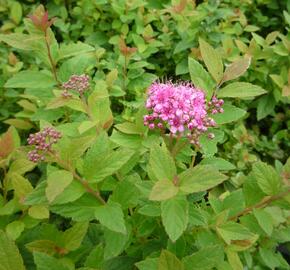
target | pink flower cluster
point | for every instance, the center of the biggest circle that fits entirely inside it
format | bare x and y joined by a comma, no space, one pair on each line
79,83
181,108
43,141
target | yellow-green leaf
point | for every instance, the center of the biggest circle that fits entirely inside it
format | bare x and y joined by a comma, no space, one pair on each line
38,212
163,190
212,60
57,181
168,261
200,178
241,90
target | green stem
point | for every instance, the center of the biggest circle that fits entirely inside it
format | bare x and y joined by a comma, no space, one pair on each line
192,161
177,147
5,184
52,64
81,180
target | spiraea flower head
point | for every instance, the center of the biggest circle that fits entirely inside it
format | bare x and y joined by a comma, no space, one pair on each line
181,108
78,83
42,142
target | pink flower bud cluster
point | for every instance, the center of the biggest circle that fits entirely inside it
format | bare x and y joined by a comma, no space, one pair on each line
79,83
43,141
215,105
179,107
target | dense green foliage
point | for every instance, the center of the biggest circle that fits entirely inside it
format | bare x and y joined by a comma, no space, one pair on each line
113,194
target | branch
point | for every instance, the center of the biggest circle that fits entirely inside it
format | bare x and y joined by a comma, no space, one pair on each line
261,204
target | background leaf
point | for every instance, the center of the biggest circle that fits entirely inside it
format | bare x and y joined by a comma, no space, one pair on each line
206,258
73,237
47,262
10,257
168,261
267,178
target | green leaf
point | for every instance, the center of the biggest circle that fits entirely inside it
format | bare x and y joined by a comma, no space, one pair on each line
30,79
115,243
234,260
230,114
57,181
267,178
129,128
73,49
236,69
198,217
148,264
21,41
21,185
150,209
99,105
232,231
112,217
174,215
97,167
82,209
200,78
95,258
161,163
126,194
218,163
241,90
21,166
16,12
45,246
73,237
130,141
10,257
168,261
46,262
266,106
38,212
163,190
14,229
209,146
272,260
212,60
265,220
68,152
86,125
71,193
206,258
200,178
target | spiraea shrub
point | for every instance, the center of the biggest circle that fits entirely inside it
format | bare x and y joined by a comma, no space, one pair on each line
147,135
